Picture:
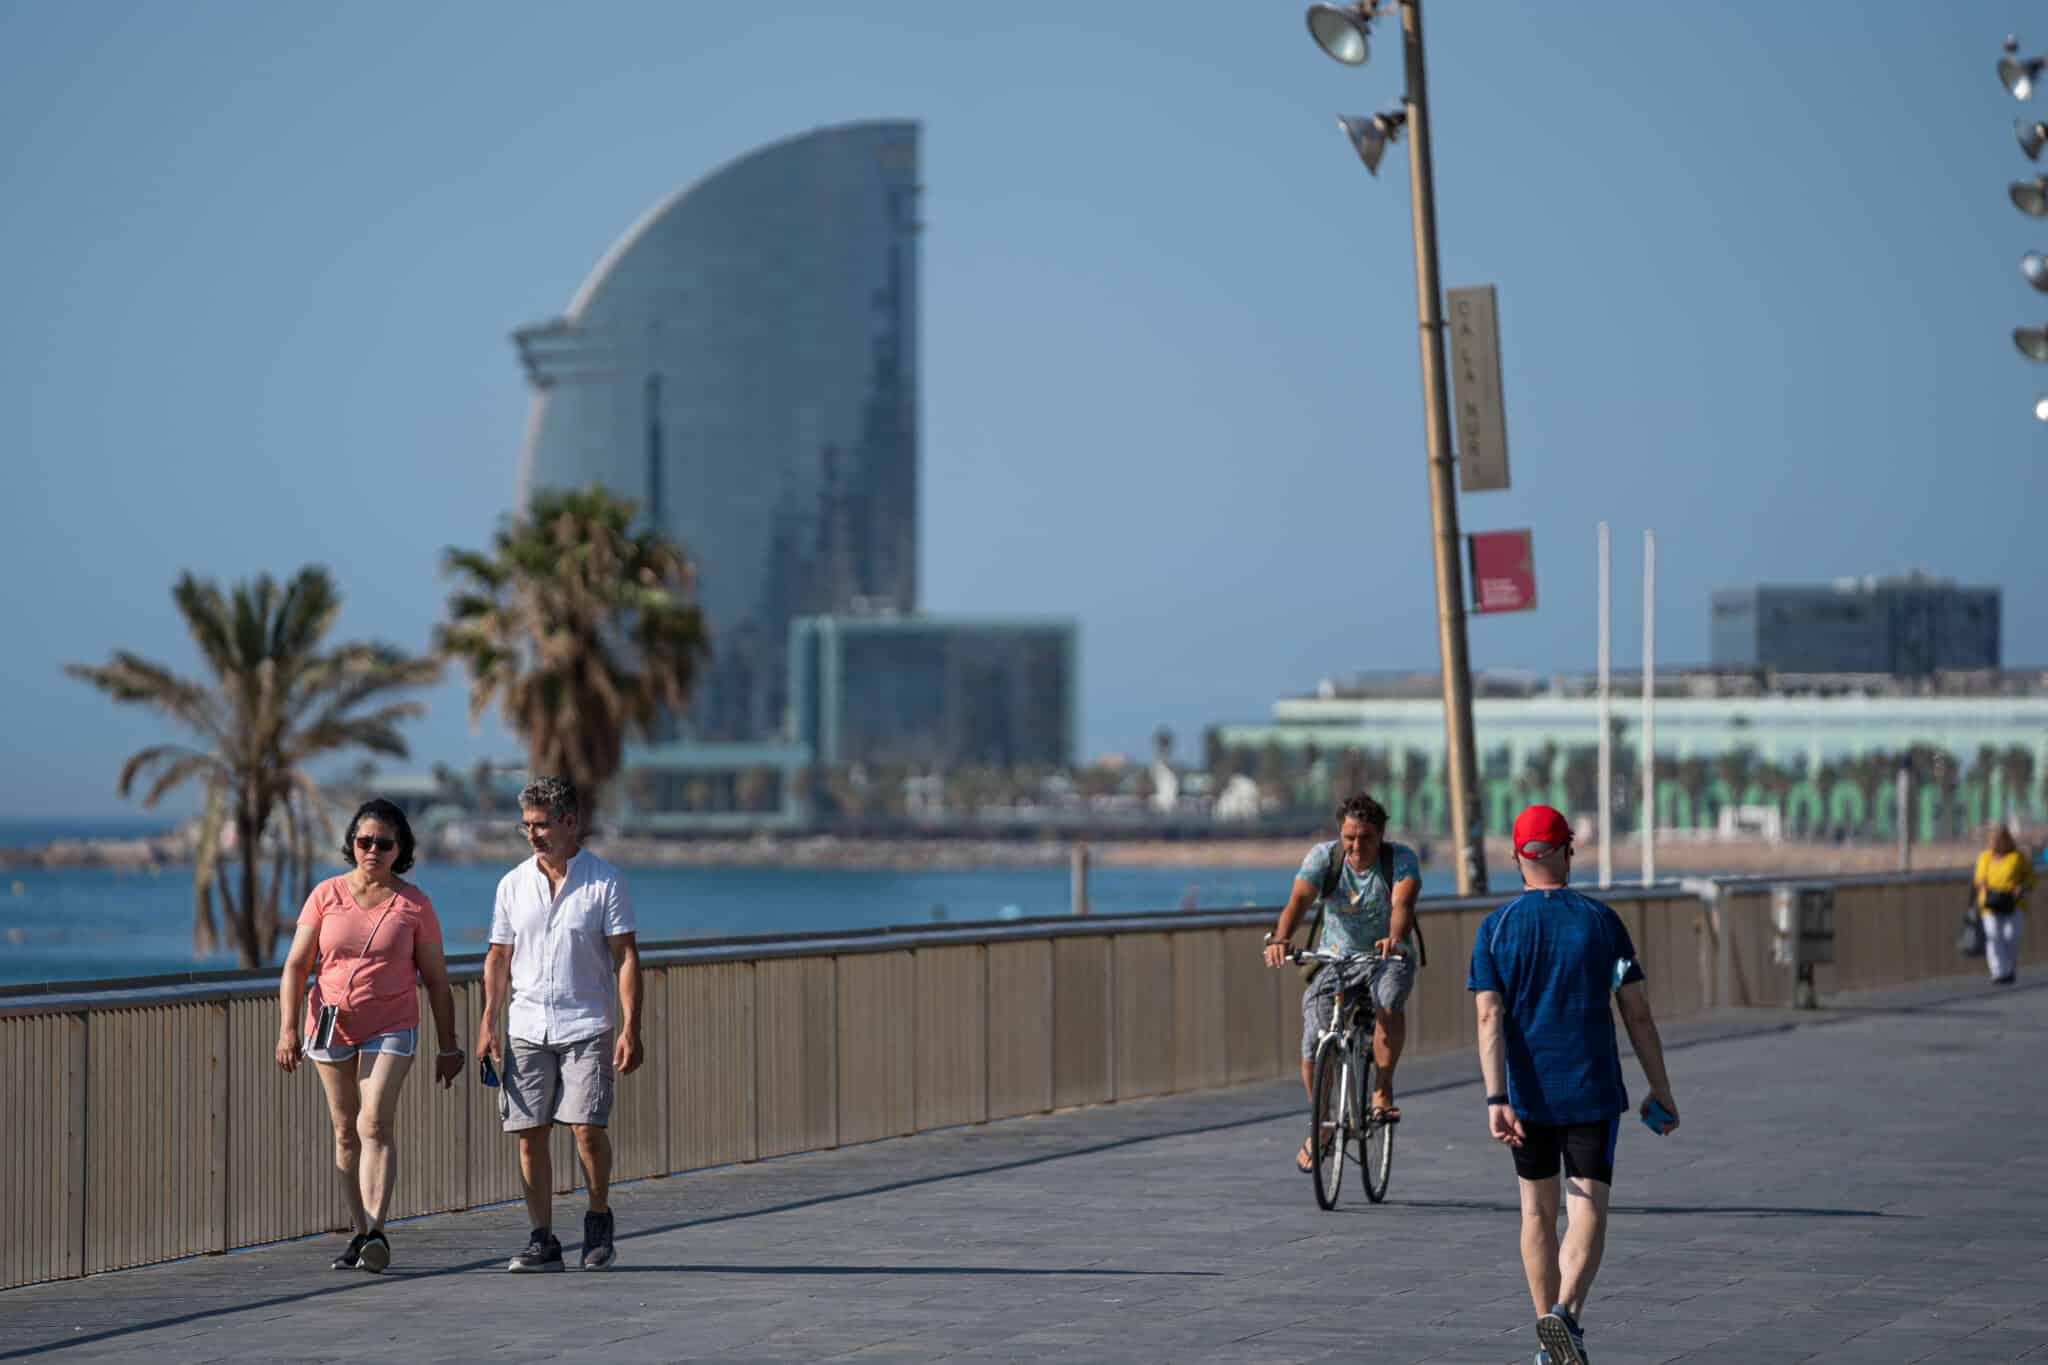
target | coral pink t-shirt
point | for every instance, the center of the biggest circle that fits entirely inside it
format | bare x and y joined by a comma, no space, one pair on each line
366,958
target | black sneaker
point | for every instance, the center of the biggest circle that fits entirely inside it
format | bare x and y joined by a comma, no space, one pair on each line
597,1240
543,1253
351,1258
376,1252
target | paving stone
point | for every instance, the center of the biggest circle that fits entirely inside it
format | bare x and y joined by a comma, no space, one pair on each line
1847,1189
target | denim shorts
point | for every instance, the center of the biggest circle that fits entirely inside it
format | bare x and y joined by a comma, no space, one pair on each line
402,1042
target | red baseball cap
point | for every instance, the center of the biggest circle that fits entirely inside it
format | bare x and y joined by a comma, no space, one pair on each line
1540,825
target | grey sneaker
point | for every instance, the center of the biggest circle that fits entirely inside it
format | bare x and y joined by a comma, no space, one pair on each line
1561,1336
543,1253
376,1252
597,1241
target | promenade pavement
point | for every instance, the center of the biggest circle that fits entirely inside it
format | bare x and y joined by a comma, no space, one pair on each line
1862,1185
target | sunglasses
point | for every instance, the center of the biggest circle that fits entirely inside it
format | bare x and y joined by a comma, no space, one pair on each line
365,843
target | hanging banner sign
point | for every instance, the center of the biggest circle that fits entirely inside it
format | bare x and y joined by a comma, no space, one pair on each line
1480,419
1503,565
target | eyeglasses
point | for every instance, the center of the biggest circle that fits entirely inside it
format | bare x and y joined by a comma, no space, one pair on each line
364,843
530,828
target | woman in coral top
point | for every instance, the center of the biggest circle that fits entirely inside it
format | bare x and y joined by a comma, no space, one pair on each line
2001,882
373,934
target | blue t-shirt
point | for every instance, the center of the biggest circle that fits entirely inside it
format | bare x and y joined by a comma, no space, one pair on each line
1356,914
1554,957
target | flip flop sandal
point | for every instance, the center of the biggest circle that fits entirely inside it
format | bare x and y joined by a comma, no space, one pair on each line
1303,1162
1390,1113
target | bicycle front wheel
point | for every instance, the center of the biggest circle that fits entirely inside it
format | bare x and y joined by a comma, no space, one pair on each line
1327,1121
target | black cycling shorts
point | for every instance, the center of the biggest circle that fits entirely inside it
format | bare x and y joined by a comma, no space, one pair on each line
1586,1150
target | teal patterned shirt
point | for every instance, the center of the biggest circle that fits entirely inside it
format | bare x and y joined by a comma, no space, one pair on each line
1356,914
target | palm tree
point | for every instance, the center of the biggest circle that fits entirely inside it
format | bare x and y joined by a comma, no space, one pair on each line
276,702
580,627
1732,768
1216,758
1538,766
2017,765
1692,773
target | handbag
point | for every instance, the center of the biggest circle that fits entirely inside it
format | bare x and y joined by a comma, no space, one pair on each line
2000,902
1970,937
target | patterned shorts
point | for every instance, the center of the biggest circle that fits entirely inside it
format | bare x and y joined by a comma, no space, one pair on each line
1388,981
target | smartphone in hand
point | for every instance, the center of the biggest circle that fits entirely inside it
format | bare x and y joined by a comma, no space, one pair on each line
1656,1117
485,1072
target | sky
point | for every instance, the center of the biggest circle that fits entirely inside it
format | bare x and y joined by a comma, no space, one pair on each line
1758,275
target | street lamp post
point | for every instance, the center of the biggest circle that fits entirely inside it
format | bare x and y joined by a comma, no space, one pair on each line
2020,75
1343,33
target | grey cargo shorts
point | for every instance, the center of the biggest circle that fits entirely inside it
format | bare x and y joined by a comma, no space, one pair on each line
548,1083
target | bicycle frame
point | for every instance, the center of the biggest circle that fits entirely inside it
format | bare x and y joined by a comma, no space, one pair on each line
1336,1121
1340,1017
1341,1118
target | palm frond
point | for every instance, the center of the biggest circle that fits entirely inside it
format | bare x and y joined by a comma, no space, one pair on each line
178,773
154,756
209,620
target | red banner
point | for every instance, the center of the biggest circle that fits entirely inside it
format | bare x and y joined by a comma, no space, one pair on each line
1503,565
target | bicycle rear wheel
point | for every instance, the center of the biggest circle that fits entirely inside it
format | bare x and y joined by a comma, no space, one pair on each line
1326,1121
1375,1136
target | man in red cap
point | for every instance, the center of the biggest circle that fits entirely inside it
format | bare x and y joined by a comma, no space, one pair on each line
1543,966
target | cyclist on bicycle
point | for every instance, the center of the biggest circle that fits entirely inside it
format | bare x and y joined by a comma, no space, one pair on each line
1367,906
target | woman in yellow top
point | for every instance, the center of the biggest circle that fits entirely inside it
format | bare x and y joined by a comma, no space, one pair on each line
2002,880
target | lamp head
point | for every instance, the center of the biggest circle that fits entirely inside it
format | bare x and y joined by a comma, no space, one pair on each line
2030,196
2032,341
1370,136
2018,74
2033,137
1343,31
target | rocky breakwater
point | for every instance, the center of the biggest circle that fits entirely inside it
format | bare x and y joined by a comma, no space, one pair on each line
157,851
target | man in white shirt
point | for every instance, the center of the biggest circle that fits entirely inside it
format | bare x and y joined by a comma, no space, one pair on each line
561,937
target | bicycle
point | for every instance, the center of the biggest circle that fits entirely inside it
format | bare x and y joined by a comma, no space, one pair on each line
1342,1068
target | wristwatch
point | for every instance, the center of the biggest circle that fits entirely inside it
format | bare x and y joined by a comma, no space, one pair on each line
1492,1100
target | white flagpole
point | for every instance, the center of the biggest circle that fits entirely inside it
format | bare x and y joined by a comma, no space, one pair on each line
1605,823
1649,818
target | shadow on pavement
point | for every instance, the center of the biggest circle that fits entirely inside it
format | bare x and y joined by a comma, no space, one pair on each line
496,1262
1624,1210
889,1270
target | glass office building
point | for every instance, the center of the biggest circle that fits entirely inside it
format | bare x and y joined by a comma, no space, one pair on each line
934,692
743,363
1904,627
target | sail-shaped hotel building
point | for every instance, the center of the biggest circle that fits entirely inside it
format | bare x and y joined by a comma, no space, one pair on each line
743,363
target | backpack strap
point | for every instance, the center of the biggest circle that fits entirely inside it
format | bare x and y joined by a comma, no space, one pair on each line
1333,874
1387,879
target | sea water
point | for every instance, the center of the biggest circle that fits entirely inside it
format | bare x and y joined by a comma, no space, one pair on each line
79,923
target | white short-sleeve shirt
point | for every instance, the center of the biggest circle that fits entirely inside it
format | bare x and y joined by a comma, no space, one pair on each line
562,974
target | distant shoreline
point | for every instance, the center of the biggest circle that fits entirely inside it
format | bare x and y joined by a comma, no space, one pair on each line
1690,855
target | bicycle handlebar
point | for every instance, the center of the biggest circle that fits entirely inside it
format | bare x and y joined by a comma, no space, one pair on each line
1324,955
